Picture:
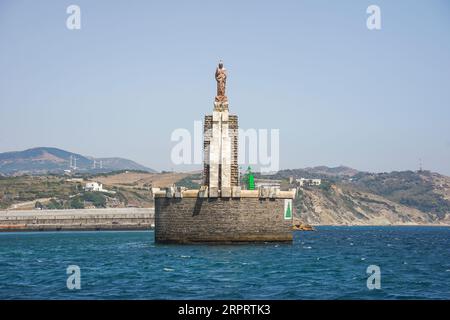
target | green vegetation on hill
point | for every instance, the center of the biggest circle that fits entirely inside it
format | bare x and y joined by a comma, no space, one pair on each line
190,182
29,188
97,199
412,189
57,192
111,173
321,172
79,201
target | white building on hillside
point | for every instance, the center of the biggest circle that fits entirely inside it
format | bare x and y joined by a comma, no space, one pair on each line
267,183
94,186
308,182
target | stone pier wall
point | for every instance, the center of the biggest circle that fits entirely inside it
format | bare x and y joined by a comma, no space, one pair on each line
79,219
244,219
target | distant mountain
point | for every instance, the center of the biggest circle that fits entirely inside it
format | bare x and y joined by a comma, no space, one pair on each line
52,160
341,171
122,164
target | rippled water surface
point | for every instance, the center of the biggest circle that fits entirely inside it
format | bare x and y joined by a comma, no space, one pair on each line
328,264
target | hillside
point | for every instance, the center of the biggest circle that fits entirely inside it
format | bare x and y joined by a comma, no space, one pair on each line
129,189
114,164
321,172
340,205
404,197
424,190
345,196
140,179
44,160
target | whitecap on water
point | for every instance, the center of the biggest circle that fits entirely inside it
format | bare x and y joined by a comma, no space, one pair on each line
168,269
182,256
308,247
362,259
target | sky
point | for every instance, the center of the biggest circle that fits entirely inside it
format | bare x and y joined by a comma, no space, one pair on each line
340,94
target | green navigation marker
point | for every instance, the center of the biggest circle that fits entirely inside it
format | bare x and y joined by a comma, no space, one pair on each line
288,209
249,179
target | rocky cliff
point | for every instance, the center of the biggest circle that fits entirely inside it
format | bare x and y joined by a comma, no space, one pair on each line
403,198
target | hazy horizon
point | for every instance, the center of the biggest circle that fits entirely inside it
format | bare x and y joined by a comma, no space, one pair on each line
340,94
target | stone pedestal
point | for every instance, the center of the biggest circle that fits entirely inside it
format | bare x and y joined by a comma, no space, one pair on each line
220,211
221,150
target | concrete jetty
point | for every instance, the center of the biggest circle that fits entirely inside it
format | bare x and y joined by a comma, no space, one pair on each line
77,219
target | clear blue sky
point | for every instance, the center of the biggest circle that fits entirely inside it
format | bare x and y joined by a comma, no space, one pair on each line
340,94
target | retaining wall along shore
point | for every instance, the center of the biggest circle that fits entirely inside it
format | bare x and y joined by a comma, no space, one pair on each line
77,219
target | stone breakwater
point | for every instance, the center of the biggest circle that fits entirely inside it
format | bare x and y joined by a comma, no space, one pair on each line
77,219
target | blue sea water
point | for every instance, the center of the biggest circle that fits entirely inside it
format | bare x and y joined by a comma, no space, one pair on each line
328,264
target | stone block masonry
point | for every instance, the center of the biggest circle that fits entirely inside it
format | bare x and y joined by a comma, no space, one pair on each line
221,220
220,145
233,126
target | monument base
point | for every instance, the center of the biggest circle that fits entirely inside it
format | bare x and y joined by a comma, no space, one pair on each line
222,220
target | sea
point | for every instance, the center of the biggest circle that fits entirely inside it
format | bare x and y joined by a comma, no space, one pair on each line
330,263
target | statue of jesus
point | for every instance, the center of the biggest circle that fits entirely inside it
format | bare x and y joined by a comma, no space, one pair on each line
221,78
